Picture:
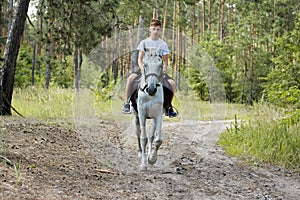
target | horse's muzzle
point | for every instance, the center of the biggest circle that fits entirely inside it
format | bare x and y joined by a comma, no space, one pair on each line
151,89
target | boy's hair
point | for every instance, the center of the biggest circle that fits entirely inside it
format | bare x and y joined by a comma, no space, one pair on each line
155,22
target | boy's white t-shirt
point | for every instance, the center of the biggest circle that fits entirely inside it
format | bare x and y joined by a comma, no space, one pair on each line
155,45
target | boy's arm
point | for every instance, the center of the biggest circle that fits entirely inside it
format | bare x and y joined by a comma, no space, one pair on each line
140,60
166,63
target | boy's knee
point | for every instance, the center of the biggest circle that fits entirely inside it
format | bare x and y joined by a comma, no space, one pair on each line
172,83
132,77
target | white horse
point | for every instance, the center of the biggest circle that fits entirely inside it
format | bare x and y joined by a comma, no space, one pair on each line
150,106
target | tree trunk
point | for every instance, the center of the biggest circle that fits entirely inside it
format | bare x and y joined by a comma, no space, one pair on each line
75,62
77,66
219,16
243,97
203,17
193,23
230,18
134,52
39,24
106,57
80,64
33,63
156,11
251,66
184,63
211,86
165,20
48,47
115,63
8,68
179,46
222,31
11,10
48,65
1,25
209,16
173,41
108,45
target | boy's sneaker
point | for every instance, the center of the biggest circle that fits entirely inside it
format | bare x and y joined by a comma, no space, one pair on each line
126,108
171,112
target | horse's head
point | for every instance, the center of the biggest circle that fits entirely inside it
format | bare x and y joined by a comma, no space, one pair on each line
153,71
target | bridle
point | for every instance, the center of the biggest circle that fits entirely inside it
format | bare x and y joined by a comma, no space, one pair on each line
160,77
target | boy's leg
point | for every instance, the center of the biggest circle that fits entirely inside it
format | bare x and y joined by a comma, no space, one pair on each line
126,107
170,110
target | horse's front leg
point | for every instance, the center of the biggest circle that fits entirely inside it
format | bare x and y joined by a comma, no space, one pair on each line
158,140
150,141
143,141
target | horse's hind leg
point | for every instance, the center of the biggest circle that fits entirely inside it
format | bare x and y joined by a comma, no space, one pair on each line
158,139
138,135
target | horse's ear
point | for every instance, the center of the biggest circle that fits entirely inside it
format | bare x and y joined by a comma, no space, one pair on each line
159,52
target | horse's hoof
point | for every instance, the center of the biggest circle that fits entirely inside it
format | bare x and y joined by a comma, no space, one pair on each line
143,168
152,158
139,154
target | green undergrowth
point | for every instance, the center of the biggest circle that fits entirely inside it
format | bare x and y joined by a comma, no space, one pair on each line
190,107
60,103
270,135
42,103
55,103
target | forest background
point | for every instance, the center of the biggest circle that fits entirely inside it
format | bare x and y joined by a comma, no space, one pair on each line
254,44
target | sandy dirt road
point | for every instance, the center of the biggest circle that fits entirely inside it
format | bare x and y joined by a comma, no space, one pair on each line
55,160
